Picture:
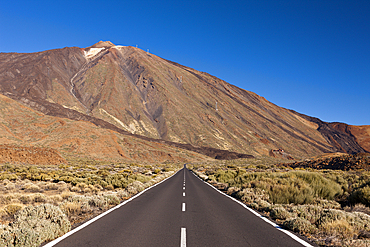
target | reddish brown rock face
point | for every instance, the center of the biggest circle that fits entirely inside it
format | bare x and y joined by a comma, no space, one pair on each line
126,89
360,133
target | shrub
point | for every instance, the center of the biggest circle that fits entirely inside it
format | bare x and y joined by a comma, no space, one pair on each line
140,178
232,191
361,221
123,194
52,186
358,208
361,195
98,201
330,215
10,186
296,187
82,201
340,228
66,194
279,213
309,212
62,185
55,199
35,225
33,188
111,199
75,189
322,187
7,177
25,199
297,193
261,205
109,187
6,238
249,195
98,187
327,204
135,187
12,209
225,176
356,242
71,208
299,225
39,198
81,186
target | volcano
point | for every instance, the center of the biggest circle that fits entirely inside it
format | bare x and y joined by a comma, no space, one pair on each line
139,94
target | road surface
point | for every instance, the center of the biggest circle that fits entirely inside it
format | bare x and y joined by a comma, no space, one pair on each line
181,211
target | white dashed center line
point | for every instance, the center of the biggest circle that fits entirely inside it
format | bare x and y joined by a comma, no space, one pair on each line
183,237
183,230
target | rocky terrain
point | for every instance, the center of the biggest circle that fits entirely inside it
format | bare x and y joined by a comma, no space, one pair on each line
30,155
344,162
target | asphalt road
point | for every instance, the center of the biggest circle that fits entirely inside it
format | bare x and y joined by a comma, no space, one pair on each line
181,211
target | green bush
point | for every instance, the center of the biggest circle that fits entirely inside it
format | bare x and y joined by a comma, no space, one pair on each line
297,193
225,176
298,187
322,187
361,195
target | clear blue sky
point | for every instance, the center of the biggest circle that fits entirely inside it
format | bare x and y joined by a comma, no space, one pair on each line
311,56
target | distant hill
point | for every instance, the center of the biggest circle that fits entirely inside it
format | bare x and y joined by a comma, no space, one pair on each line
130,91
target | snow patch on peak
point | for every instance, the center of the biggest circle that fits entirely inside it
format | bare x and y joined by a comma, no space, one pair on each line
118,46
92,52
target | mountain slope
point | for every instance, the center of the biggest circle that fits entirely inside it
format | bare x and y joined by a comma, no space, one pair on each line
360,133
22,126
149,96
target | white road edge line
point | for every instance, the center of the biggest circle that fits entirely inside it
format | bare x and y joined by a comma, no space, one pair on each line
183,206
183,237
299,240
55,241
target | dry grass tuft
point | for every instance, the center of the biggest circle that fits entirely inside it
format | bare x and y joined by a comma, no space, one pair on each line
12,209
338,228
71,208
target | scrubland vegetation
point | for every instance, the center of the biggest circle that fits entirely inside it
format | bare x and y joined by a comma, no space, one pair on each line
41,203
329,207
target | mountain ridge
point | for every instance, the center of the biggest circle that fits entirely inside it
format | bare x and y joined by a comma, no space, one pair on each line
150,96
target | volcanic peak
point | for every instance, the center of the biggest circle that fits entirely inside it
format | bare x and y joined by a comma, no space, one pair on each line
102,44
